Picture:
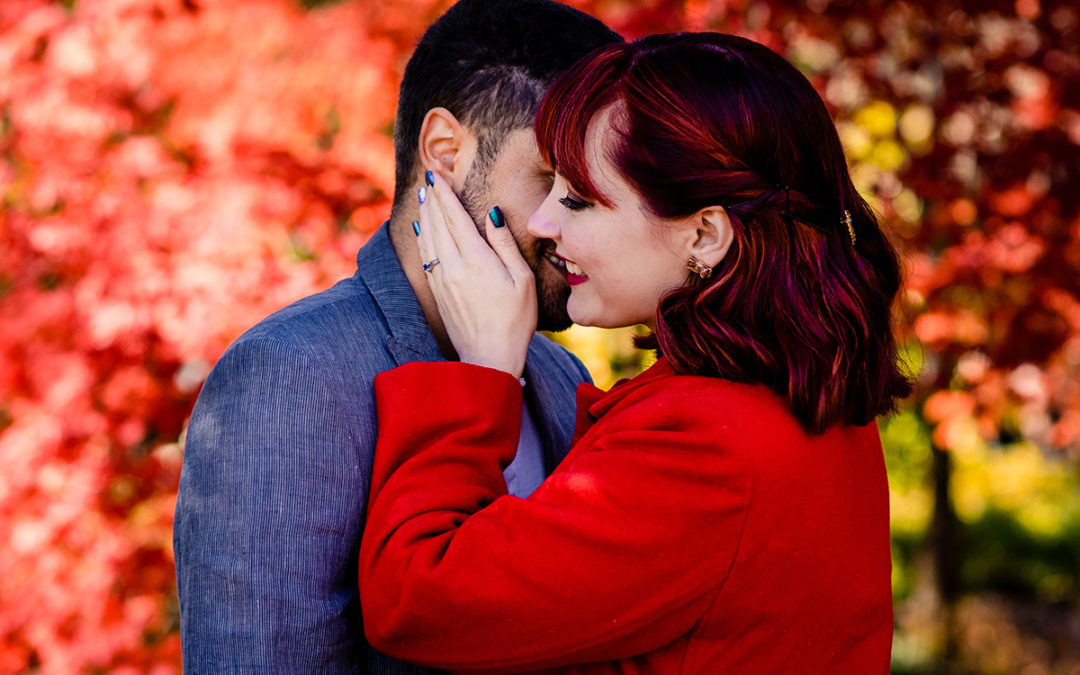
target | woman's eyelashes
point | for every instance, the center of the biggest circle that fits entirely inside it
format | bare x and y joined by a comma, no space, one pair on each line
573,203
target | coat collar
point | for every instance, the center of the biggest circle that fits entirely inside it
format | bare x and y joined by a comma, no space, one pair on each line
593,402
378,267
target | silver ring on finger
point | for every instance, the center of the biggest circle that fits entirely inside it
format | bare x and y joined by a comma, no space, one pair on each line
430,265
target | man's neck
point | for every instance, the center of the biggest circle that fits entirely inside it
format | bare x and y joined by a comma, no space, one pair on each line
404,241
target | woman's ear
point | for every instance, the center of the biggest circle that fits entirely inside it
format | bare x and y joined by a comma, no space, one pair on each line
712,235
446,146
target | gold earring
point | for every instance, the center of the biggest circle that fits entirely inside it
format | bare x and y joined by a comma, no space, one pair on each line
699,268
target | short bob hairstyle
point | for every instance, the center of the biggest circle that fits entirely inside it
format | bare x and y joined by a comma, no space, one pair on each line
707,119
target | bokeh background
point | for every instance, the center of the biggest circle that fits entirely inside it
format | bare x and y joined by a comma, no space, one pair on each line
173,170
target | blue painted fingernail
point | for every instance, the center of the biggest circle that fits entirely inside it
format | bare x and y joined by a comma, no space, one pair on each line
496,216
422,194
416,227
429,178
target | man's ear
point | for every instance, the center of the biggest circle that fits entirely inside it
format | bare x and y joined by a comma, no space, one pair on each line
711,235
447,147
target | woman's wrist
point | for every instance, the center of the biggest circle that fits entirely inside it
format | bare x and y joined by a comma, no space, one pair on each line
507,363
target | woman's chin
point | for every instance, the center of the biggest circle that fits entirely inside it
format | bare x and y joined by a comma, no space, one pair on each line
594,316
582,318
593,321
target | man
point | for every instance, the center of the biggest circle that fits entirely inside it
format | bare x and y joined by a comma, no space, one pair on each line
279,449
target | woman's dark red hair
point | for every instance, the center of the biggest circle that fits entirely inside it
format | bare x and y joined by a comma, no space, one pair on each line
707,120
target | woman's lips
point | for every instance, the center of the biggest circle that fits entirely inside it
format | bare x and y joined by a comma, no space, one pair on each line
574,274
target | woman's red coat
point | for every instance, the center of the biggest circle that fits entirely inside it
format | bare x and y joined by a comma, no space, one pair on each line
693,528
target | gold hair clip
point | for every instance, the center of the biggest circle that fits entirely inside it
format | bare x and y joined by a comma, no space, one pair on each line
850,229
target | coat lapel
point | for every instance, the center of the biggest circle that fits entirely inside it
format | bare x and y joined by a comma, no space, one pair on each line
377,266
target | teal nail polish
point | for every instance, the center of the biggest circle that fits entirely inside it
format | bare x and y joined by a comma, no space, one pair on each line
496,216
416,227
422,194
429,178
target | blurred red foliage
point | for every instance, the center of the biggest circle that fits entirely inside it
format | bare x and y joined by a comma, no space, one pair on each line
173,170
169,177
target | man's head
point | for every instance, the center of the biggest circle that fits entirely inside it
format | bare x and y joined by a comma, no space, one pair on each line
466,106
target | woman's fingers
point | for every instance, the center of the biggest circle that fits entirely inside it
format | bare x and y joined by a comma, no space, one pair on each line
436,246
422,227
428,259
449,235
485,293
505,246
459,223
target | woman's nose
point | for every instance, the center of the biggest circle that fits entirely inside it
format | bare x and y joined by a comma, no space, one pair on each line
541,225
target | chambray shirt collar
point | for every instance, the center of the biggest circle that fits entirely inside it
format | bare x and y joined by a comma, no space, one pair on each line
377,266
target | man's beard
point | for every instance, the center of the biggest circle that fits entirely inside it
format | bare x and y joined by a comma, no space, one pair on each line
551,296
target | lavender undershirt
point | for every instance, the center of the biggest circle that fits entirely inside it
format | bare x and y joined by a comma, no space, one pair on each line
526,472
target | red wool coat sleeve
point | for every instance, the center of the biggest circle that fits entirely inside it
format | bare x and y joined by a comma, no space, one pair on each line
621,551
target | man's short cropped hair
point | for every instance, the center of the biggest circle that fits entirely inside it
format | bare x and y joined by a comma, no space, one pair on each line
489,62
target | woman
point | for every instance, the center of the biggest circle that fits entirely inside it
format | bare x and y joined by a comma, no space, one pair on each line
726,510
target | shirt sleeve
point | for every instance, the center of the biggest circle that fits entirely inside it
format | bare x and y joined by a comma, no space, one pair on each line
618,553
268,518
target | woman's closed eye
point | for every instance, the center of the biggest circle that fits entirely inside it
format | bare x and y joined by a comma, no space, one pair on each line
573,203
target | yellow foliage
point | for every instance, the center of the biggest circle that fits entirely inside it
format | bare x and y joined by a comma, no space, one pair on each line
856,140
889,155
910,511
878,118
1017,479
917,128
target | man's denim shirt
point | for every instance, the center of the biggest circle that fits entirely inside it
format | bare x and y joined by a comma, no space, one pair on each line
276,467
